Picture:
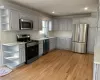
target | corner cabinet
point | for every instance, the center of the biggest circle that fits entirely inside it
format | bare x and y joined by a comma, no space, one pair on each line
96,72
13,54
9,19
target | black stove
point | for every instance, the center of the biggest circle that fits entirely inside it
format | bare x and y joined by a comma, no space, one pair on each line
31,47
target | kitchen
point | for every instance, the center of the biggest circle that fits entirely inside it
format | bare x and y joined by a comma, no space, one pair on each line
57,29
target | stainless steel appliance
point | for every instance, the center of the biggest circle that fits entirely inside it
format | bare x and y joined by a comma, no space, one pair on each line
25,24
45,46
79,38
31,47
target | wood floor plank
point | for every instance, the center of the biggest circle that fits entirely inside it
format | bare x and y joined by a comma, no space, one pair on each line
56,65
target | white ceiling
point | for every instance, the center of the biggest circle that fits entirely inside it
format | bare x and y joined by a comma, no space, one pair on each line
61,7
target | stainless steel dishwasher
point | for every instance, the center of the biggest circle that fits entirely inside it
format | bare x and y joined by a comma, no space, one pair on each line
45,46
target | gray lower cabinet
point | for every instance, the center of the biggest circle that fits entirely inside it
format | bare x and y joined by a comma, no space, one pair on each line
64,43
22,53
52,43
96,72
40,47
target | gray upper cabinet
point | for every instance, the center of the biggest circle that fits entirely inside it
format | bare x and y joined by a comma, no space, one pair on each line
35,23
92,21
9,19
14,20
69,24
55,24
25,15
40,23
75,21
62,24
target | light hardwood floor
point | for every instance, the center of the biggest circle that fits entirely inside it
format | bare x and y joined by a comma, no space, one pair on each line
56,65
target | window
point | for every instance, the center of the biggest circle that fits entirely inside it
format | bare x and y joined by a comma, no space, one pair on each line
46,26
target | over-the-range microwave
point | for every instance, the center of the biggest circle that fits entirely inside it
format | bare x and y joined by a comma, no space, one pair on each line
25,24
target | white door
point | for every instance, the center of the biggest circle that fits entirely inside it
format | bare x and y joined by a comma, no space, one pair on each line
14,18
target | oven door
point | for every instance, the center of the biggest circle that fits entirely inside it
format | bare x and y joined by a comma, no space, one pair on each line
26,24
31,53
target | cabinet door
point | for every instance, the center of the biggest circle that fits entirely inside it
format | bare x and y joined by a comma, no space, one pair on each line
63,24
76,21
25,16
14,20
35,23
51,46
22,55
58,43
69,25
40,51
40,23
56,24
62,43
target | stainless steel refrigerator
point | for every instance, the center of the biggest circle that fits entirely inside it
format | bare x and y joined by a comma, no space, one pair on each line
79,38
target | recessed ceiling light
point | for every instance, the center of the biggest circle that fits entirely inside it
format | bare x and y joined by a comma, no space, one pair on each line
53,12
86,8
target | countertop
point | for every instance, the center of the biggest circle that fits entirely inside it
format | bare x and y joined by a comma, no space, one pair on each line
16,43
97,54
39,39
13,43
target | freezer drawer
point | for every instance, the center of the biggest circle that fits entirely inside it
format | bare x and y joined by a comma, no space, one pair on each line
79,47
